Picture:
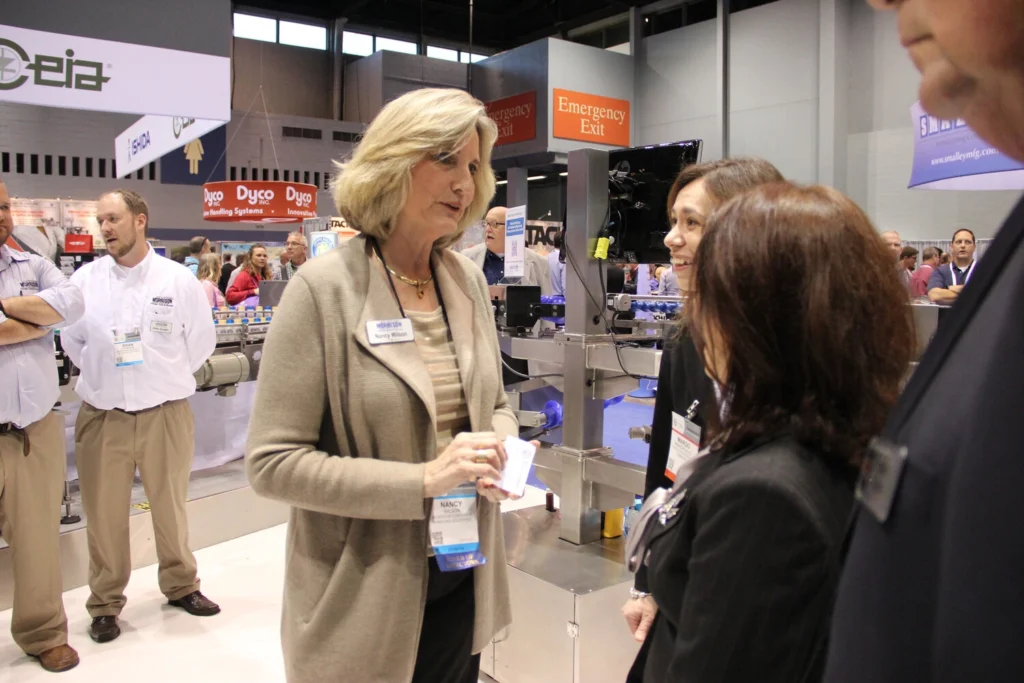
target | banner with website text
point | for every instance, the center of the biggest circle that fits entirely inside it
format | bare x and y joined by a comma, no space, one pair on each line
948,155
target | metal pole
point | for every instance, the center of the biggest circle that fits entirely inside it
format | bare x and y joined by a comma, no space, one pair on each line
723,73
469,64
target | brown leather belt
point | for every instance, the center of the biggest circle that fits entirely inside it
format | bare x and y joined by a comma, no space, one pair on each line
11,428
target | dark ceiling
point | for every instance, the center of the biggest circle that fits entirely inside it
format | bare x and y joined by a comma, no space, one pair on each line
497,24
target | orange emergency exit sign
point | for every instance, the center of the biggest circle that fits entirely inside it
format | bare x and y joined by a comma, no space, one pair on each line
590,118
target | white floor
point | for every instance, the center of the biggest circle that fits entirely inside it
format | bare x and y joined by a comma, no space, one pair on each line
161,644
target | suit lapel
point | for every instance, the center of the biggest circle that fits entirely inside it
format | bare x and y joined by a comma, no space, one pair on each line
461,319
986,274
402,359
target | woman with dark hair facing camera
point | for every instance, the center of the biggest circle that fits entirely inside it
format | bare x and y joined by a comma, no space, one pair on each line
807,356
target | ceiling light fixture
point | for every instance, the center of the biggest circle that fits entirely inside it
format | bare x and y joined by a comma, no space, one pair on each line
537,177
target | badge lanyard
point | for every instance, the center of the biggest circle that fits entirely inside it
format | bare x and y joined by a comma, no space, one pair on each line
454,528
684,445
967,275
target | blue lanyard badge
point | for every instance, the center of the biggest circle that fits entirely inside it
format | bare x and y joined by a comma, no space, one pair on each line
454,530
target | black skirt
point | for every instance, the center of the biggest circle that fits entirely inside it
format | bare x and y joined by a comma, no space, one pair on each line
445,653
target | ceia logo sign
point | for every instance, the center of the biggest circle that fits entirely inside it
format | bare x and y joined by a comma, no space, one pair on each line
50,70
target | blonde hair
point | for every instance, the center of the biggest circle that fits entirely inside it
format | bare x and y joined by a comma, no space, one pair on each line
371,188
209,267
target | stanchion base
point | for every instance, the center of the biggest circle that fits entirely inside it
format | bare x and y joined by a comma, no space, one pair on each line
70,519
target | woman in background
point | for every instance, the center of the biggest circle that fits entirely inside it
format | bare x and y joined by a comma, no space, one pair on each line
209,274
256,270
684,390
807,356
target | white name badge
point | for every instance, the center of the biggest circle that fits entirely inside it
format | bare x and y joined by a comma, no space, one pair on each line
127,349
453,525
389,331
684,446
161,326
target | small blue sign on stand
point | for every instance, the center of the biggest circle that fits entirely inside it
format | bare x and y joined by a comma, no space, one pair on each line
192,164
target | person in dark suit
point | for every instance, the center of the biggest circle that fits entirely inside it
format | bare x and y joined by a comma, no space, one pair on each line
808,355
682,385
933,586
225,273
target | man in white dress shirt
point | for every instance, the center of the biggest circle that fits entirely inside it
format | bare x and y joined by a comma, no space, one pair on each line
35,299
146,331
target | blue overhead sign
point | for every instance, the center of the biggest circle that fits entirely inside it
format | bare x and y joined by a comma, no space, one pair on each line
192,164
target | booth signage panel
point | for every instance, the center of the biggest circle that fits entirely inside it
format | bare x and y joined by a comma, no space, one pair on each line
37,226
515,242
151,137
590,118
322,242
259,201
79,218
56,70
516,117
200,161
948,155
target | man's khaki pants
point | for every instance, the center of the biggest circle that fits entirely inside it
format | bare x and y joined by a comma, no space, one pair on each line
109,445
31,492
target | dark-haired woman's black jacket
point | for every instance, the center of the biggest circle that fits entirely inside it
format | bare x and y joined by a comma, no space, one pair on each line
681,381
745,573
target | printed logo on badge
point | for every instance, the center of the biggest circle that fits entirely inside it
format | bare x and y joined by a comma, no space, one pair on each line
389,331
29,288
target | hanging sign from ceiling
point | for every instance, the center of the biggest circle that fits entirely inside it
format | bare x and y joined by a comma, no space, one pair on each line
56,70
516,117
258,201
151,137
590,118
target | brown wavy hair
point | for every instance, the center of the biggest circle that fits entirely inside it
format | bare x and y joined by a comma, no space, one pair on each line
816,346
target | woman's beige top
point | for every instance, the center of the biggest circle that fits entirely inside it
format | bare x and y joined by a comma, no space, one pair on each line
438,354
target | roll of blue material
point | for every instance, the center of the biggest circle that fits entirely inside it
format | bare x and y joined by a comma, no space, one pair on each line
553,299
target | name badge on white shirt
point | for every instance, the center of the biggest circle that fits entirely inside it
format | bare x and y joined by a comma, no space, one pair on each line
684,446
29,288
390,331
127,349
161,326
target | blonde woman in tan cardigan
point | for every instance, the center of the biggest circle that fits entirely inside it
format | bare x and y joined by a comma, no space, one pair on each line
380,390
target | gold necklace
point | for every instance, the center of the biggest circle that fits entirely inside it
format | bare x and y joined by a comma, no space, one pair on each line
418,284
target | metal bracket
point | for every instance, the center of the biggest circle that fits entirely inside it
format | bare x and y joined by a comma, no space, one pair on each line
573,630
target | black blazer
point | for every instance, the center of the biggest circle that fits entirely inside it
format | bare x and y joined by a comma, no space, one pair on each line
936,593
681,380
745,573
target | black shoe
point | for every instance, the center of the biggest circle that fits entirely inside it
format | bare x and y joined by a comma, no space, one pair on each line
196,604
104,629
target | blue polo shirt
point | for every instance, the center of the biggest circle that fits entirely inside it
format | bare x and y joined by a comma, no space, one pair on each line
494,267
942,277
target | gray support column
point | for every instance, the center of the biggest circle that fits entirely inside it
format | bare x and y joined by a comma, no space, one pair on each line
637,51
833,91
722,61
516,191
337,28
583,414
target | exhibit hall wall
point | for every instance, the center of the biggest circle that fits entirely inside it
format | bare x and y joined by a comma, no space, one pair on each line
296,80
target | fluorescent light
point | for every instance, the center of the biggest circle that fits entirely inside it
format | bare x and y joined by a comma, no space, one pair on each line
564,173
501,182
537,177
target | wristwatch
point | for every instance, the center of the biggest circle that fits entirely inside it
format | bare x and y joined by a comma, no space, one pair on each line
634,594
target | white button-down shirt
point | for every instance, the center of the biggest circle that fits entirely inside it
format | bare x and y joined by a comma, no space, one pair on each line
166,304
28,371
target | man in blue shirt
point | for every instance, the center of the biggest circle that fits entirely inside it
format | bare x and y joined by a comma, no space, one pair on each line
197,248
946,282
35,299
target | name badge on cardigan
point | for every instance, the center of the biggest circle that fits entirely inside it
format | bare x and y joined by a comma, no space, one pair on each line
389,331
880,475
454,530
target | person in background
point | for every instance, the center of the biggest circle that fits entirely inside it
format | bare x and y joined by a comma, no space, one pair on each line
931,587
209,273
35,299
247,282
296,246
225,273
929,262
358,435
668,284
946,282
945,259
906,266
490,256
892,240
280,268
556,268
243,263
197,248
147,328
744,556
684,391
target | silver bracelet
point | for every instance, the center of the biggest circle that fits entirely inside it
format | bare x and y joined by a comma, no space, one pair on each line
634,594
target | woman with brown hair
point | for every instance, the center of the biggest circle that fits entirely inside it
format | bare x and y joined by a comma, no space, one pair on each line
807,356
684,391
256,270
